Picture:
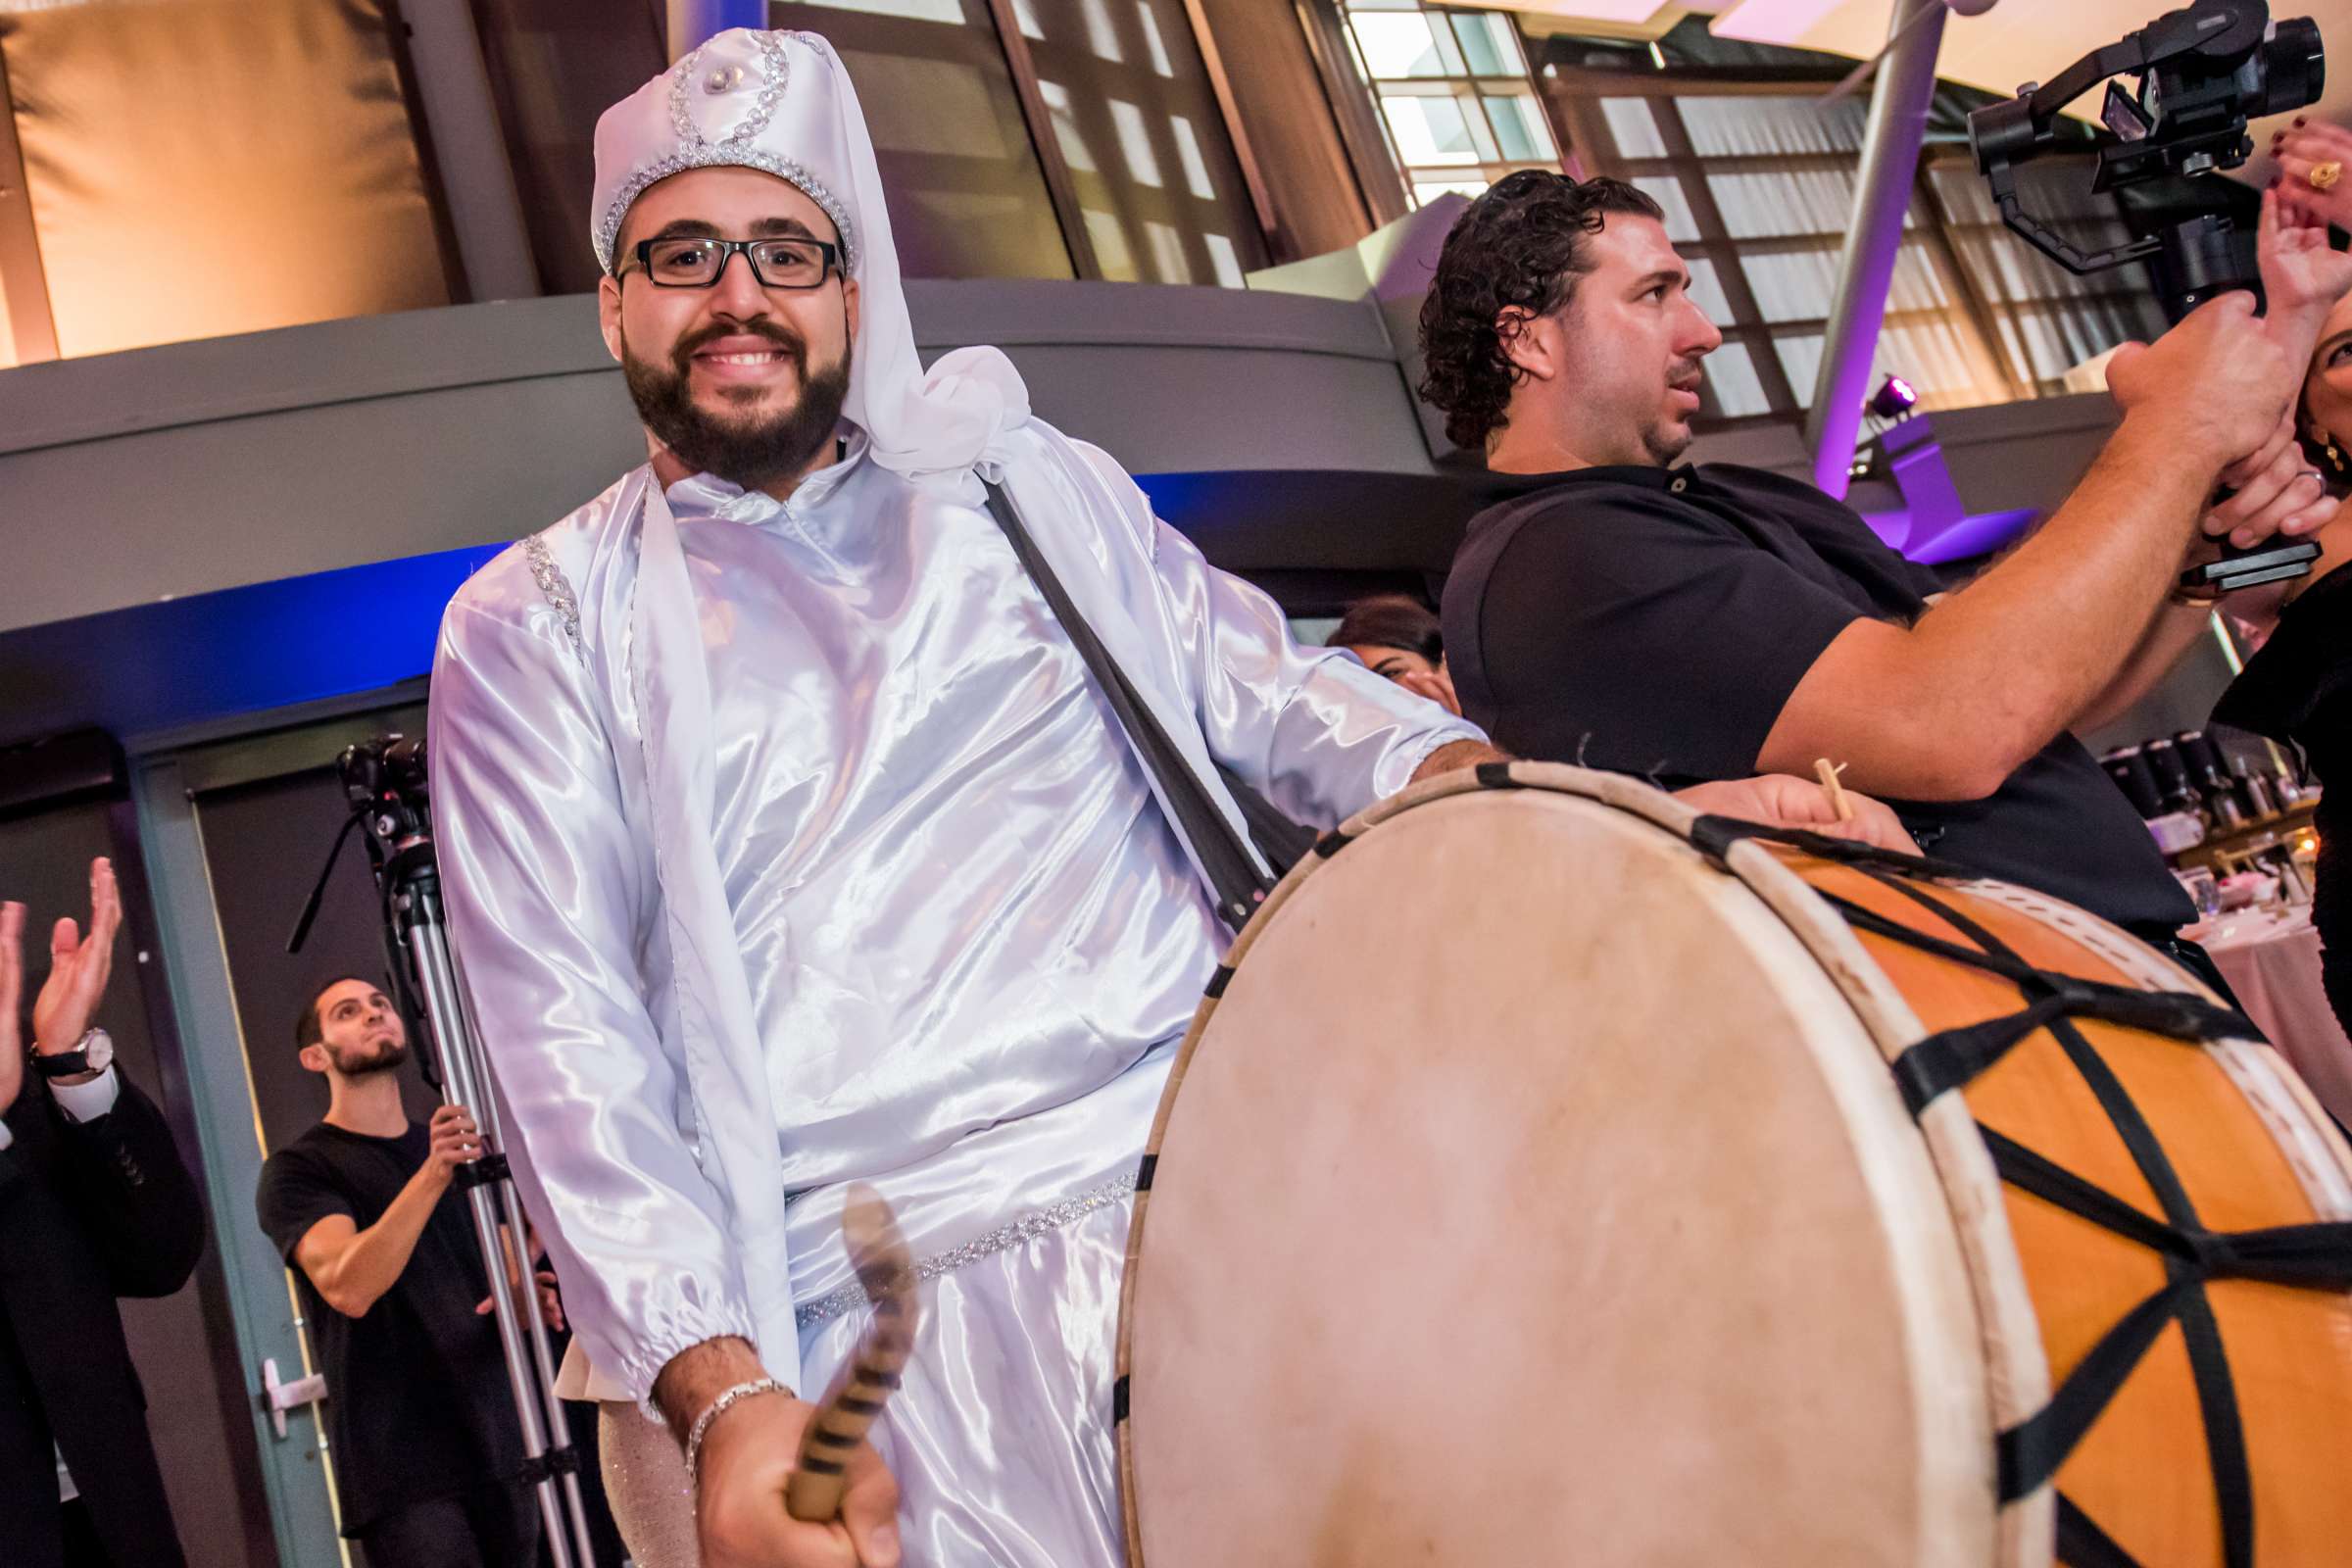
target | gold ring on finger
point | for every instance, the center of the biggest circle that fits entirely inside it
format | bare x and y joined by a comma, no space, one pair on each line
2323,177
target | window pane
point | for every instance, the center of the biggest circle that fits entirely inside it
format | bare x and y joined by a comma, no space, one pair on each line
1429,130
1490,45
1188,151
1748,126
1796,201
1101,35
1633,126
1519,128
1225,258
1801,362
1111,256
1793,285
1154,47
1667,192
1941,359
1731,378
1125,83
1135,142
1400,44
1706,291
968,196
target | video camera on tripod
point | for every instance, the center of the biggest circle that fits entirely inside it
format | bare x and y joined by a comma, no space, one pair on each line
385,781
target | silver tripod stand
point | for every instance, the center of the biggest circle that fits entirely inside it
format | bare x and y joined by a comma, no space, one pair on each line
385,781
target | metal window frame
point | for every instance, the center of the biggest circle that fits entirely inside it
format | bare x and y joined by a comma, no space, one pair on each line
1467,87
1575,94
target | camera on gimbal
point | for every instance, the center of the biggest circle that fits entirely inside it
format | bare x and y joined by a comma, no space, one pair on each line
2202,73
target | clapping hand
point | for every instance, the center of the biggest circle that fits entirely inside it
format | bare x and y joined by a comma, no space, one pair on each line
11,997
78,968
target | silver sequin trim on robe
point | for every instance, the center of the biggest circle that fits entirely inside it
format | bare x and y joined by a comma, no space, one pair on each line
1028,1228
554,588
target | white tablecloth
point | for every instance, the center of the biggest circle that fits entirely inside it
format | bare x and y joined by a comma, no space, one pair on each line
2274,966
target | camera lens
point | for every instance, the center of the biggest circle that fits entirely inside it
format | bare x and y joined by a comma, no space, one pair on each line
2294,69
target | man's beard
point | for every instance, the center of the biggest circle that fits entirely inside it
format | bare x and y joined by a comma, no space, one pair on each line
1666,440
392,1054
750,453
1665,443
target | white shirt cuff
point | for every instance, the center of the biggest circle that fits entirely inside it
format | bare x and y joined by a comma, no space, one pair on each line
6,1137
91,1101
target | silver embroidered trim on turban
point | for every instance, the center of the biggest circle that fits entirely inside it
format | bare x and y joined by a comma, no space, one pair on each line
697,151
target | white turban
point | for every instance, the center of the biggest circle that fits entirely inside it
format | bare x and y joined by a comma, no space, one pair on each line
782,103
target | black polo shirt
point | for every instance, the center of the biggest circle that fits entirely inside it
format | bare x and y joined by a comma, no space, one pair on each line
1655,620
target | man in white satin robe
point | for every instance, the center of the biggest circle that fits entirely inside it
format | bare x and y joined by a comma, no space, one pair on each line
788,843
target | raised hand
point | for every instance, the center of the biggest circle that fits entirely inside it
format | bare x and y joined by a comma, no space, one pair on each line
78,968
2302,151
2303,277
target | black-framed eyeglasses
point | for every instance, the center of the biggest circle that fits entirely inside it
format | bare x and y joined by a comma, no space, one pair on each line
699,261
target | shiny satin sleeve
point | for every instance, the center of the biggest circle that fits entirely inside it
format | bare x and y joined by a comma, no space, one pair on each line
551,904
1311,728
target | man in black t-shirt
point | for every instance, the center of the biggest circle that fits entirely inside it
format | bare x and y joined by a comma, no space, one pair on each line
365,1207
1713,622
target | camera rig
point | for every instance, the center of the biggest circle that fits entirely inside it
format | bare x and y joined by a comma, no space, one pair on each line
2204,71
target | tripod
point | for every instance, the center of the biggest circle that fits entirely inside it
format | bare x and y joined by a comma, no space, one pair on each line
385,781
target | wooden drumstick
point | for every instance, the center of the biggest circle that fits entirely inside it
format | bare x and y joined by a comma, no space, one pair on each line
1837,792
878,1252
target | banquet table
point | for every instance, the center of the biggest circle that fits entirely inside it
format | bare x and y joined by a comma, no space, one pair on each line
2271,962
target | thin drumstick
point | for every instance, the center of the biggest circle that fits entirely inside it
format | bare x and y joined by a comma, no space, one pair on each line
1837,792
878,1252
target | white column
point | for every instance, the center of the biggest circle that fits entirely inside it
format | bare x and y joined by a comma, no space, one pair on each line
1898,122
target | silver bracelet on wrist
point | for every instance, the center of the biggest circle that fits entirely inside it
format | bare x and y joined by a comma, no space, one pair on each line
711,1413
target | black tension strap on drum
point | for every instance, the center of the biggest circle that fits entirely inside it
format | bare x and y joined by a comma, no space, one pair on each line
1714,836
1225,859
1953,1057
2317,1257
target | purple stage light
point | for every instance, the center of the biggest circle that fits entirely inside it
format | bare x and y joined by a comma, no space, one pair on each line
1894,398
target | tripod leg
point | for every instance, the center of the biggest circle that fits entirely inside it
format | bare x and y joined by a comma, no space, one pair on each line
521,1336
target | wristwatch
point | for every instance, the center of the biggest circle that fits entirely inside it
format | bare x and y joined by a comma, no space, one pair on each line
92,1053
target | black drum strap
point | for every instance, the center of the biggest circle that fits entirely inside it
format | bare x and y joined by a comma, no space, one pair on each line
1234,878
2083,1545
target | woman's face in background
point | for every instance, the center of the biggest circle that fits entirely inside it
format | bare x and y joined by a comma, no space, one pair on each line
1411,672
2327,389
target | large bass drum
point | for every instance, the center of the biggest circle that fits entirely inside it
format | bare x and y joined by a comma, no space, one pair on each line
1553,1176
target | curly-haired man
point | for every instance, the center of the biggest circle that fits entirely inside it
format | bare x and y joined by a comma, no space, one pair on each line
1715,621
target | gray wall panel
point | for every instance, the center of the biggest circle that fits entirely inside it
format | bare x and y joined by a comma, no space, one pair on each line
201,466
